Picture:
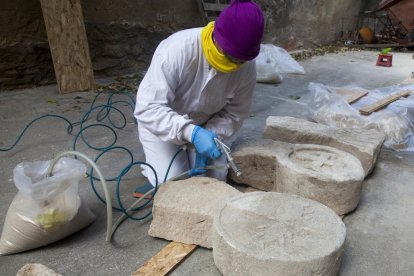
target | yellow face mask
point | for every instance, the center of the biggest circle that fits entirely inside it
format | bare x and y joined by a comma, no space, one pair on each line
214,57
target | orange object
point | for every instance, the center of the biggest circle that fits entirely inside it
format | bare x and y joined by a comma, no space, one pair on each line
384,60
367,35
138,195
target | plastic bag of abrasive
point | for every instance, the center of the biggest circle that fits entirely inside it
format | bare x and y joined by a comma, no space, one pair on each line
46,208
273,61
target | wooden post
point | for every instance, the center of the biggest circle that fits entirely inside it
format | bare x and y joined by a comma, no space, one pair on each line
68,45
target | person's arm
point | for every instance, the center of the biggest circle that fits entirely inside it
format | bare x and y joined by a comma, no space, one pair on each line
228,121
155,93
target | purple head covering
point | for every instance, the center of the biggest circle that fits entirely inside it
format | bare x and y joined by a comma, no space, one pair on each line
239,29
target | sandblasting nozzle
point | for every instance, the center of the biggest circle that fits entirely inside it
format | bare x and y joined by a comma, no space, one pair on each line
226,150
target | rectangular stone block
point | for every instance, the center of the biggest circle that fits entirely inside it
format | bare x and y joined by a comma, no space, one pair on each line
183,211
362,143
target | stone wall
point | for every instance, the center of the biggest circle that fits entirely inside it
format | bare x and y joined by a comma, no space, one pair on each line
24,51
308,23
123,34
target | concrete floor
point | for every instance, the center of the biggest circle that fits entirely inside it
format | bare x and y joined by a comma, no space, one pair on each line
379,233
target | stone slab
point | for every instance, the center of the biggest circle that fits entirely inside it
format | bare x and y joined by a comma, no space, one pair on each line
325,174
277,234
36,270
362,143
183,210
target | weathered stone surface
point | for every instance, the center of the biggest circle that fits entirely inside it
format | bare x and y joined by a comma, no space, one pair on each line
325,174
183,210
36,270
277,234
312,23
258,161
362,143
116,46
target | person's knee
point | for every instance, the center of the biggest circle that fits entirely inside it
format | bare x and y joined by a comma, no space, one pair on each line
164,171
221,172
218,174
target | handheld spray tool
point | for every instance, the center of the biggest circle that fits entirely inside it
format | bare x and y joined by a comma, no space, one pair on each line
226,151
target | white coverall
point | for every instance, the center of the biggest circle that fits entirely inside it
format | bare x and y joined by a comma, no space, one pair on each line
180,90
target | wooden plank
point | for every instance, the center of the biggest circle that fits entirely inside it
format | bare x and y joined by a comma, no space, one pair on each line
366,110
251,190
68,45
168,258
409,80
351,94
390,45
356,97
403,14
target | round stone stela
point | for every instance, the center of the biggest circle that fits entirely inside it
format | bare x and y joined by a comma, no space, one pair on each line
277,234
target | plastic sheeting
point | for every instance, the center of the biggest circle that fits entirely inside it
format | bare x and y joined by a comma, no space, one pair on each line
395,121
274,61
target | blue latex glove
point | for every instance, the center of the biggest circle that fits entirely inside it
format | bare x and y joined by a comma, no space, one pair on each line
204,143
200,162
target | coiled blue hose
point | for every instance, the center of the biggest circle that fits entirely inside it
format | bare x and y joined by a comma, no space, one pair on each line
104,113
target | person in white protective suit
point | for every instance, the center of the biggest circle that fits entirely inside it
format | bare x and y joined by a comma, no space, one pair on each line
199,86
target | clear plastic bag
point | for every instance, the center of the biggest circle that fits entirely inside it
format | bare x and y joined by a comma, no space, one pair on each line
327,108
46,208
267,73
395,121
273,61
397,130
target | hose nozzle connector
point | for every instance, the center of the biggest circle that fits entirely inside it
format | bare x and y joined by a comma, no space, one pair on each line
226,150
236,170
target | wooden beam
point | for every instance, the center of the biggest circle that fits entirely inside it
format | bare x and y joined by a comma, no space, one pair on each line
68,45
366,110
390,45
351,94
356,97
409,80
251,190
165,260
